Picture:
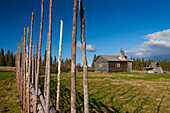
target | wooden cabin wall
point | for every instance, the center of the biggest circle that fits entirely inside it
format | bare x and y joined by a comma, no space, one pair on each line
123,66
101,65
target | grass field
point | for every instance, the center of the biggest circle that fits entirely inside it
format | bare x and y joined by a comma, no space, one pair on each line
9,101
108,92
117,92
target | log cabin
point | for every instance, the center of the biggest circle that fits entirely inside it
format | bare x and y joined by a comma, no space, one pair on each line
112,63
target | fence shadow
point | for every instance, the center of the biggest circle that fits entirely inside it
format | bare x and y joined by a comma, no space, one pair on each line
94,105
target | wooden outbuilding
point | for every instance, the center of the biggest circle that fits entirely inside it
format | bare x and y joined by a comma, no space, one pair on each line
112,63
154,67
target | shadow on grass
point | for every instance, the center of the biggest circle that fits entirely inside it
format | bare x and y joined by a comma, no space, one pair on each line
159,106
94,104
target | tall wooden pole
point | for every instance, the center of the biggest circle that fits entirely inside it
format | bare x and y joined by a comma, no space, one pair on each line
48,60
16,62
85,70
73,59
33,65
24,78
36,48
27,85
22,85
46,68
59,67
29,66
39,56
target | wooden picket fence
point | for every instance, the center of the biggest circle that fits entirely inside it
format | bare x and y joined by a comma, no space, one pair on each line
28,67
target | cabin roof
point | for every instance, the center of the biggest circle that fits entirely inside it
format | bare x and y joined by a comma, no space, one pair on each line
114,58
154,64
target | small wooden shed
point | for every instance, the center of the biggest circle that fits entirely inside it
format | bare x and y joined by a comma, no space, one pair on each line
154,67
112,63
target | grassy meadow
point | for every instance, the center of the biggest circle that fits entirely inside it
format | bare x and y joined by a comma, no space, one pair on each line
116,92
108,92
9,101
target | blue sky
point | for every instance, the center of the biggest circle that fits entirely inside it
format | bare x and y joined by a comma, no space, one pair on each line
140,27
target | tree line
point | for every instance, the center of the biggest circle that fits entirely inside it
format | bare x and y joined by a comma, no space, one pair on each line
7,59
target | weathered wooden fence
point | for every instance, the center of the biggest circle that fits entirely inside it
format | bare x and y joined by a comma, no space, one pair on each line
28,67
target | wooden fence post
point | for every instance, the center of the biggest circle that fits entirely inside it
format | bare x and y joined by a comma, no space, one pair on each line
21,86
18,69
29,66
49,60
85,70
59,67
27,85
36,57
39,56
33,65
73,59
24,77
46,68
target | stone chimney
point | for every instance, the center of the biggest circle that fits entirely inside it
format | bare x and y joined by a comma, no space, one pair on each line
122,54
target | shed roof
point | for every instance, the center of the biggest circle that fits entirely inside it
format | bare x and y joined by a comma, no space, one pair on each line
154,64
114,58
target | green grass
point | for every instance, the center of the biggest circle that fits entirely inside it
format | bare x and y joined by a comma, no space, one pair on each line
116,92
9,101
108,92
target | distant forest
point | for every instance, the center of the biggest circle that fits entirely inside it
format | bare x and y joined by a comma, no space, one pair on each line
8,59
138,63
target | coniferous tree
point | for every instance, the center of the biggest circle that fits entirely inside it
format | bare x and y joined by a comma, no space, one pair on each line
2,58
10,62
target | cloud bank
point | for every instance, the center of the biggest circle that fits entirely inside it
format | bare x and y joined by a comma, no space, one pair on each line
157,45
90,48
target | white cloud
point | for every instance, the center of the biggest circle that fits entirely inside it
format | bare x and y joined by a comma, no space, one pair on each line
157,45
90,48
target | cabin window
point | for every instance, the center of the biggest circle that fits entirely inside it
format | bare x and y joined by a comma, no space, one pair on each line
117,65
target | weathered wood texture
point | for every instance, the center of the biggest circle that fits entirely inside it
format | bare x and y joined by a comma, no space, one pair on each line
59,67
73,59
101,65
24,75
113,68
46,68
49,60
85,71
38,60
33,69
36,57
27,85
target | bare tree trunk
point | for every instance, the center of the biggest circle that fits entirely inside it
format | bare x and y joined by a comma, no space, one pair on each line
46,68
19,70
33,65
48,60
59,67
73,59
36,58
24,78
39,56
27,104
22,74
29,66
85,71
